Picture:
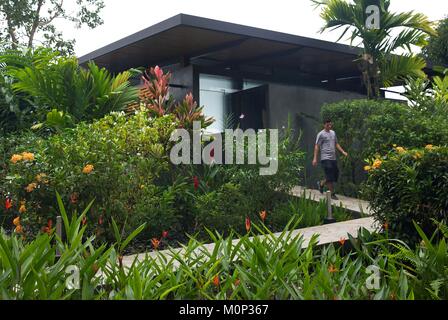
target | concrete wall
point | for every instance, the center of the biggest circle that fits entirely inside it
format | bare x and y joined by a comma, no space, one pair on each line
182,81
303,106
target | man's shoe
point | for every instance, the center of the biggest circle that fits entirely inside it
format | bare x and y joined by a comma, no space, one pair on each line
334,197
320,187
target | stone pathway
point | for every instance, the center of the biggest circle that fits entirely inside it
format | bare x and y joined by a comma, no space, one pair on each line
352,204
327,233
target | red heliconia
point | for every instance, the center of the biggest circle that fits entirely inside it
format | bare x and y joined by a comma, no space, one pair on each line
164,234
196,182
8,203
247,224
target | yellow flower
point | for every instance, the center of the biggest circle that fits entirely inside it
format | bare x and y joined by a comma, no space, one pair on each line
418,155
28,156
31,187
400,149
15,158
377,163
40,177
87,169
394,145
367,168
22,209
429,147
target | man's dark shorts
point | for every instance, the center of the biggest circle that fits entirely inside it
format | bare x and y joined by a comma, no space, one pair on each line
331,170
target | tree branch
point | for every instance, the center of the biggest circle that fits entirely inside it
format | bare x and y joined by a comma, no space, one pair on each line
35,24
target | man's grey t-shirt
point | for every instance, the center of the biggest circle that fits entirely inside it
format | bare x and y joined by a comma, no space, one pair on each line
327,143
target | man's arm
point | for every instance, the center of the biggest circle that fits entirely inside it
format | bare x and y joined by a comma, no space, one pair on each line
316,152
338,146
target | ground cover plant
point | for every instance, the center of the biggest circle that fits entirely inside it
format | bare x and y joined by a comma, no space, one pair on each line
255,267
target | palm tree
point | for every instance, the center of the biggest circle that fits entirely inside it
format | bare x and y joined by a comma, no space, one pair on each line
378,64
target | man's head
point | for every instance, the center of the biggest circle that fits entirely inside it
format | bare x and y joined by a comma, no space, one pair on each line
328,124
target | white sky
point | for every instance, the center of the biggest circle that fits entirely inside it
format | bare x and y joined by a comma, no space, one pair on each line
125,17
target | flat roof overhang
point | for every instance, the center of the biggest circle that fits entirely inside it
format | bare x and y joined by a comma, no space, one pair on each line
201,41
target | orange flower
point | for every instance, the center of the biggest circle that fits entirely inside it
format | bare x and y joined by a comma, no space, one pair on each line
332,269
31,187
28,156
247,224
8,204
377,163
16,158
16,221
237,282
429,147
18,229
84,220
22,209
342,241
216,280
155,243
263,215
48,227
386,226
88,169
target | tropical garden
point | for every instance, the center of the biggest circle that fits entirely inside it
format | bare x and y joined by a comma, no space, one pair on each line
86,178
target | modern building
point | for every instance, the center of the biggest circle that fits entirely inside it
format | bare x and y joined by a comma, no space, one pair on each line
233,69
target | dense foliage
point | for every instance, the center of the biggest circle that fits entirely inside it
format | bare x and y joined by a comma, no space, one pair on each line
437,49
255,268
44,90
365,128
406,186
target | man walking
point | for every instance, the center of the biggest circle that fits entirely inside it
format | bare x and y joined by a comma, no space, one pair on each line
327,143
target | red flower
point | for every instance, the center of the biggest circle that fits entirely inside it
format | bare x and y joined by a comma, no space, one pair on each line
247,224
100,220
48,227
8,203
164,234
196,182
237,282
342,241
84,220
216,280
155,243
212,153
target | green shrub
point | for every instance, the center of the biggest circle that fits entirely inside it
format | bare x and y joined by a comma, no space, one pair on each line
119,161
368,127
406,186
279,267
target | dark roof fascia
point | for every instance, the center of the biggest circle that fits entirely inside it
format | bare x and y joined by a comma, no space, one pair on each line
220,26
143,34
